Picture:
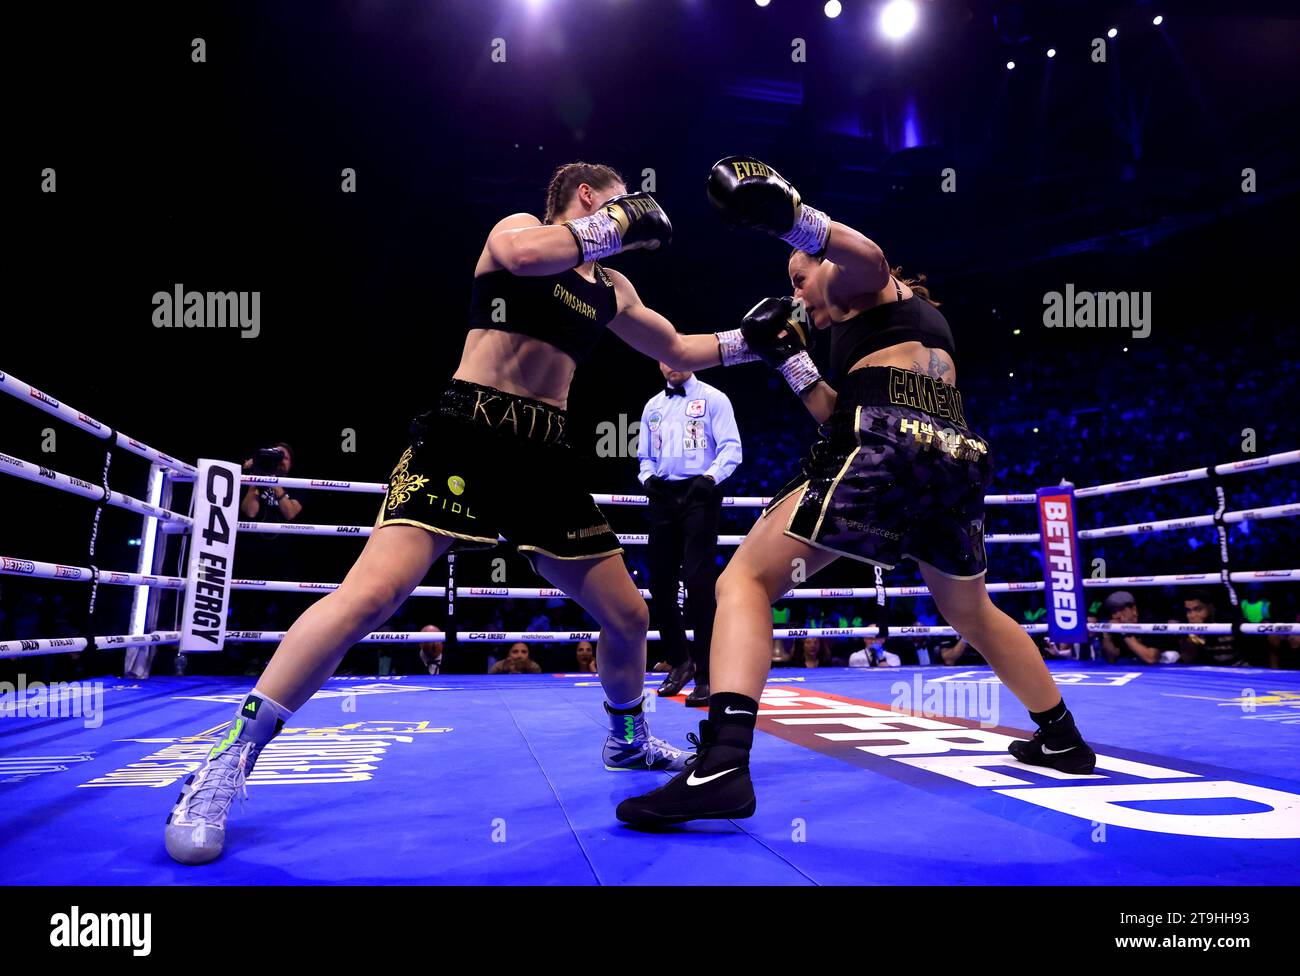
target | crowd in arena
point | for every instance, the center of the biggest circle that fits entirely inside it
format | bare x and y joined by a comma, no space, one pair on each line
1037,445
1101,438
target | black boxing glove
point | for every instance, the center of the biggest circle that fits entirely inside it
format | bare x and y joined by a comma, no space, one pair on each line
773,332
750,193
624,223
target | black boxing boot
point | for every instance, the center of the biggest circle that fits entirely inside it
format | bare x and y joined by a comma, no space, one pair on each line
1056,744
715,784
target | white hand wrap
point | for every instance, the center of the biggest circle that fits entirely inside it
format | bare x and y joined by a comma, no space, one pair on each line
598,235
811,231
733,349
800,372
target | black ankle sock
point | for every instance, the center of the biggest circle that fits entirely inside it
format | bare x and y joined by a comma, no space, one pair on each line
734,717
634,710
1056,721
1053,714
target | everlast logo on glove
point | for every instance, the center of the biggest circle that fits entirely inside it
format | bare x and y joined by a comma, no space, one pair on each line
749,167
635,207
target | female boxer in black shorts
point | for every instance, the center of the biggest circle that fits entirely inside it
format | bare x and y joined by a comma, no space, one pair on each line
894,474
491,458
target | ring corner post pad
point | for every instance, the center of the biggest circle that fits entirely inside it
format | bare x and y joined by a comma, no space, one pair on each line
212,556
1062,565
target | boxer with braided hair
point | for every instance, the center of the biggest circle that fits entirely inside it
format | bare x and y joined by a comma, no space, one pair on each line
541,300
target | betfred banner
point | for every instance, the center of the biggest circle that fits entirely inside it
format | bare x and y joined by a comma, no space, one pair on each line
1067,608
212,556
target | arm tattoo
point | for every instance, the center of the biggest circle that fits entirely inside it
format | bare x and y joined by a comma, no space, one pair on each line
937,366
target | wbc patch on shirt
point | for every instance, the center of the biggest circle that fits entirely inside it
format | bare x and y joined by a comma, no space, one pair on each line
654,420
694,440
695,408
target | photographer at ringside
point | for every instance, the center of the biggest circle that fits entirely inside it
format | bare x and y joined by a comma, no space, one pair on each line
264,555
269,503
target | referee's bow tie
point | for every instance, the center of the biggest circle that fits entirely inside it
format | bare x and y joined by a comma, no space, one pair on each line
675,391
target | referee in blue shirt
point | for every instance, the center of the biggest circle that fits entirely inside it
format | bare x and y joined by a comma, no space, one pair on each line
688,446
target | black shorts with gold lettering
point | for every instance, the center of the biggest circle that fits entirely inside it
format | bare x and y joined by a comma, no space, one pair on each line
895,474
485,463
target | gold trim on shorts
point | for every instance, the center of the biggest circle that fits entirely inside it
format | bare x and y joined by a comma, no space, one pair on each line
830,492
838,552
776,502
592,555
809,542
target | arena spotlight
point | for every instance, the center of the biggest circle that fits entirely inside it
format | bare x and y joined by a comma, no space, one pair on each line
1159,19
1051,52
1011,66
832,8
762,3
1112,32
897,19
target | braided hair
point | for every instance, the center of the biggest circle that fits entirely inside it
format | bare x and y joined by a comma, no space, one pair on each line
569,177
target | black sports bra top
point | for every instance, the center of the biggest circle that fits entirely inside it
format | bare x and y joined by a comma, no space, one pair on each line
906,320
566,309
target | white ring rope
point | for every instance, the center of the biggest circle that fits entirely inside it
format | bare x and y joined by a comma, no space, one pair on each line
1290,510
75,486
22,648
778,633
39,570
65,645
624,538
297,586
573,636
1195,474
363,487
378,488
23,391
173,522
14,566
750,501
187,472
